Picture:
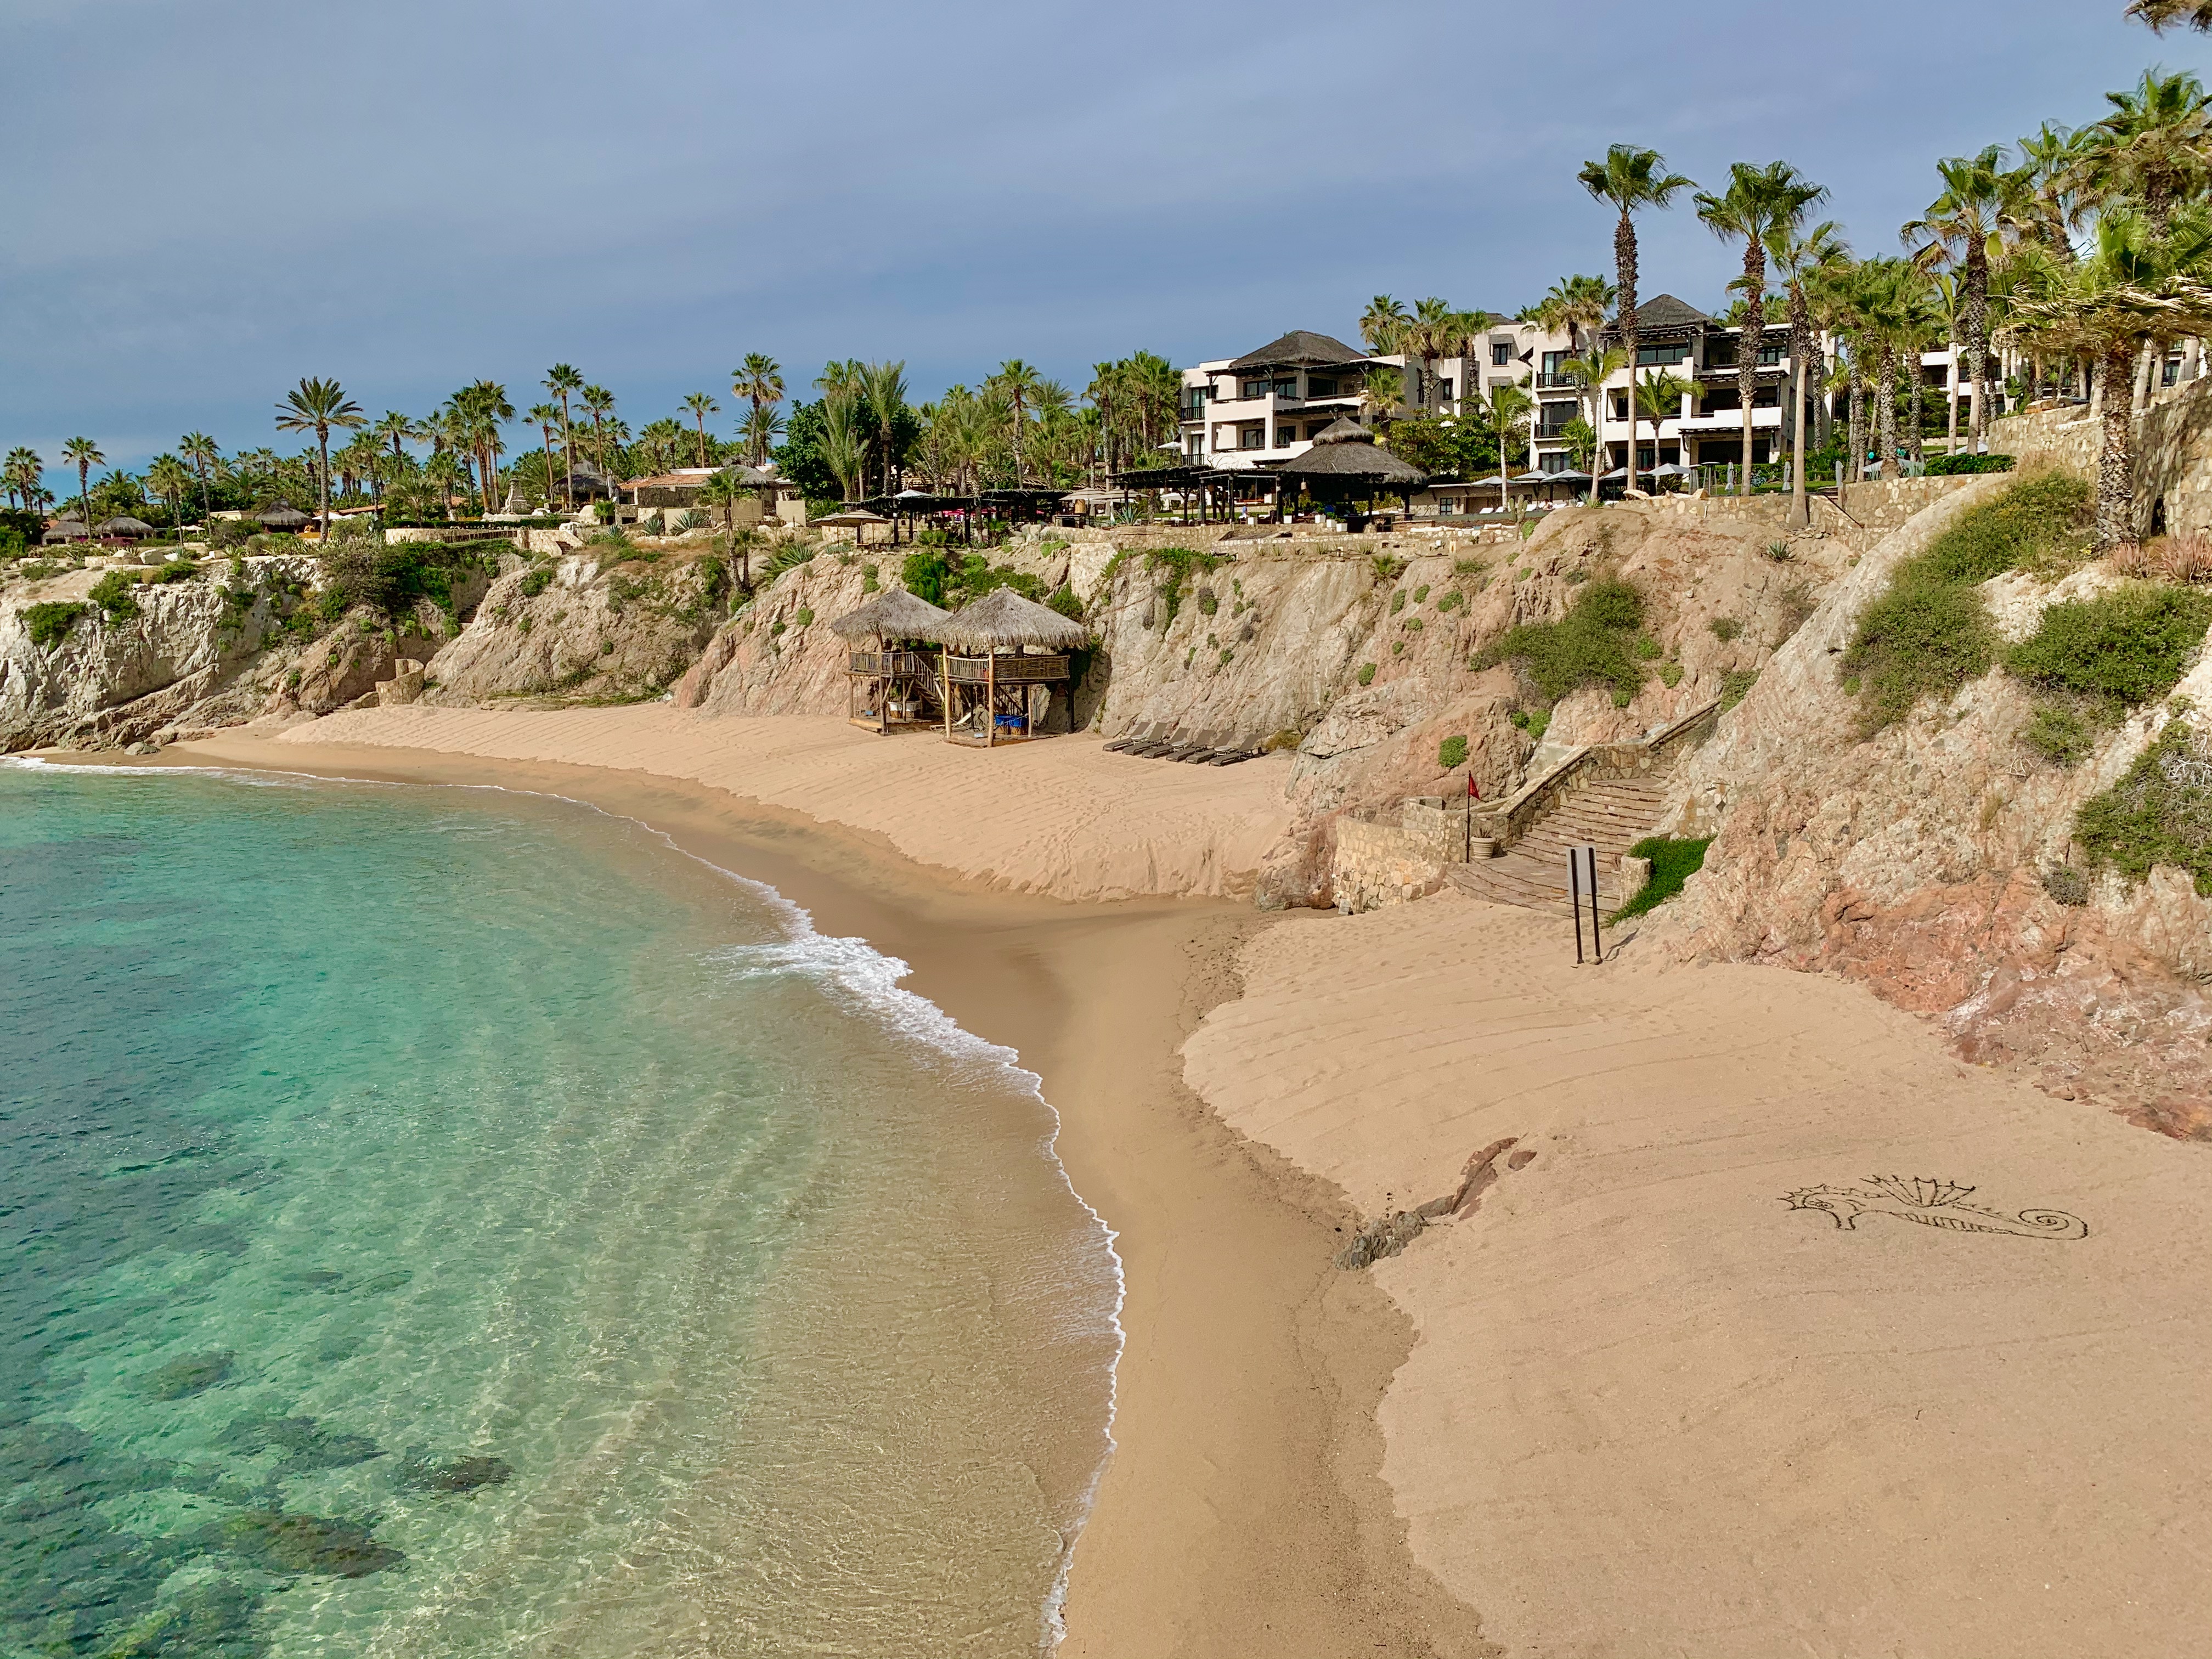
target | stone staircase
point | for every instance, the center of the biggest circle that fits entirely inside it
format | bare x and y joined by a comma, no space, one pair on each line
1611,814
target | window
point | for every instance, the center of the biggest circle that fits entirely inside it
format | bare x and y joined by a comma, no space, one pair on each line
2170,374
1194,403
1252,435
1556,461
1648,356
1553,418
1445,384
1256,388
1501,354
1620,406
1287,387
1317,386
1554,362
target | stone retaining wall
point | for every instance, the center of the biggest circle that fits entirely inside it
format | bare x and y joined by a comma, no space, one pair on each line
1379,864
2173,451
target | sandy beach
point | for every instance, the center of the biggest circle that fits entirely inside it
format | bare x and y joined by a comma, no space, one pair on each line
1690,1376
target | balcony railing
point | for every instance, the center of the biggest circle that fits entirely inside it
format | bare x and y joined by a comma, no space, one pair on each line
1549,431
1005,669
1558,383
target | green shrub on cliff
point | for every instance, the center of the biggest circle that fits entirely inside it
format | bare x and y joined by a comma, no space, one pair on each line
1593,645
2120,648
117,596
50,624
1673,863
1929,633
2160,813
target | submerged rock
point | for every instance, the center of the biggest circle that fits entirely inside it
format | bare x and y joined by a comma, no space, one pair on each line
195,1373
303,1543
460,1474
306,1445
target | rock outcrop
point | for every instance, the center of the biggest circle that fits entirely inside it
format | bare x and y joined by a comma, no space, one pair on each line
1914,860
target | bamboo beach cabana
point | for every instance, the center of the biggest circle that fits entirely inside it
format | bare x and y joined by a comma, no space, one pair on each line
992,684
893,687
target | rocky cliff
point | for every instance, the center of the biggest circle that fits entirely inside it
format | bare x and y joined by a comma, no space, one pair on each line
1936,859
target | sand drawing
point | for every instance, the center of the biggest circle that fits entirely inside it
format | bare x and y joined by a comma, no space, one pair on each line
1932,1203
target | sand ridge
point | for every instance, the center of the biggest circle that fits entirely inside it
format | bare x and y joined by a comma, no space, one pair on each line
1061,817
1653,1408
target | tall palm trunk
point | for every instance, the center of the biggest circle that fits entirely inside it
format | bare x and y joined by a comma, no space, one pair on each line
1801,345
1623,259
84,495
2116,459
323,482
1885,409
1912,441
1748,345
1857,422
1977,341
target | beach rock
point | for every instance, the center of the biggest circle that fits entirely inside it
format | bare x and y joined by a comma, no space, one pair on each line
589,627
459,1474
281,1542
197,651
195,1373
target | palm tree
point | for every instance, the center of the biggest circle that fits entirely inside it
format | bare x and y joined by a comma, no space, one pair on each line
1759,202
1575,303
1383,325
1381,393
2197,13
474,416
170,479
1958,228
563,379
598,404
23,468
2152,148
882,398
1500,412
86,455
1628,179
1659,395
1018,384
759,380
204,456
1799,256
762,427
546,416
700,406
317,405
2135,286
1590,375
843,444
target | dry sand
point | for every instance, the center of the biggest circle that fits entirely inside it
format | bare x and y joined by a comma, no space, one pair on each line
1063,818
1244,1511
1654,1409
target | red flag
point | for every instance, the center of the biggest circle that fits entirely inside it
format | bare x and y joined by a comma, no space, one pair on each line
1473,793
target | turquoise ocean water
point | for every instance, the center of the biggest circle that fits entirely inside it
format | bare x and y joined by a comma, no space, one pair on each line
452,1223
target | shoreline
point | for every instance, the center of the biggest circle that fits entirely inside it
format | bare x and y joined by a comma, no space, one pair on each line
1244,1501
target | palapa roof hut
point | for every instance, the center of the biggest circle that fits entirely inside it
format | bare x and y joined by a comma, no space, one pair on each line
889,688
1346,450
65,530
283,516
893,615
991,682
124,525
856,518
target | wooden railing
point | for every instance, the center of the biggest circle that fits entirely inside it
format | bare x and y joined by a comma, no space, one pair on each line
1006,669
895,664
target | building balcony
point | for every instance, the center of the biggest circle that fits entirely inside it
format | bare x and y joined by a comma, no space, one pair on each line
1553,432
1558,383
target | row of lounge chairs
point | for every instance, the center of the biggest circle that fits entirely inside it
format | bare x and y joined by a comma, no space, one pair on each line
1209,749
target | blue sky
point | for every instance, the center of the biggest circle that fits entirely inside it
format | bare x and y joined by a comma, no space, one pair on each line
205,203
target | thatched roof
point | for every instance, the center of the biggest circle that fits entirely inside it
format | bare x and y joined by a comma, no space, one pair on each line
1003,619
124,524
284,515
1344,430
893,615
1302,349
1351,456
853,515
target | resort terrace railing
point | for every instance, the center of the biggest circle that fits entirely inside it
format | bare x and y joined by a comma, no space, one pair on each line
1006,669
887,665
1558,383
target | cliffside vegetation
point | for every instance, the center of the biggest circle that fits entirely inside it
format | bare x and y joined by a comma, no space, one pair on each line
1930,633
2160,813
1594,644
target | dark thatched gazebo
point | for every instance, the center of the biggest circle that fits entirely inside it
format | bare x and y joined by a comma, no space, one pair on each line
991,682
892,686
124,527
283,516
1344,455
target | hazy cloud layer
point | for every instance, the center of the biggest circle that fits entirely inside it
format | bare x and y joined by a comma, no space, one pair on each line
205,203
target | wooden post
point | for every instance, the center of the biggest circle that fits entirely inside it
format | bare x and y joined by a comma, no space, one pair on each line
991,700
945,679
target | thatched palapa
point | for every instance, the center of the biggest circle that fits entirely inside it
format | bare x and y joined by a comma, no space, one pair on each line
283,516
1002,620
1346,450
893,615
